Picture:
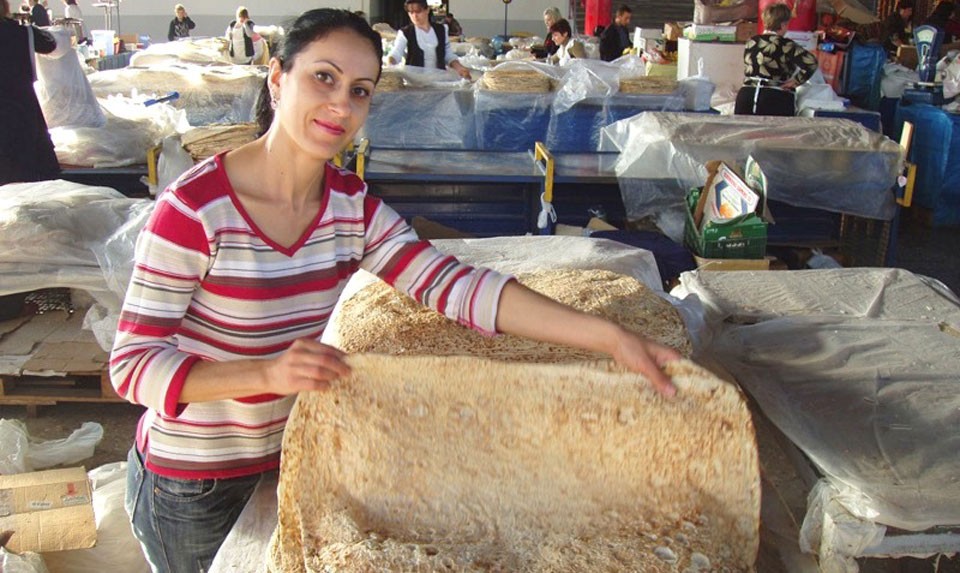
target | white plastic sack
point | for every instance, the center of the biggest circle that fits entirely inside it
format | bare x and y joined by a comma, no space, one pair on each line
62,88
26,562
22,454
174,161
697,90
951,74
116,549
816,93
834,534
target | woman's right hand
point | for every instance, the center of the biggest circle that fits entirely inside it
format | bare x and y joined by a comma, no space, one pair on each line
306,365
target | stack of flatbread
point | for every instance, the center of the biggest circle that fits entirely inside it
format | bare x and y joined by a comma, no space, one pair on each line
461,463
517,81
657,85
206,141
390,81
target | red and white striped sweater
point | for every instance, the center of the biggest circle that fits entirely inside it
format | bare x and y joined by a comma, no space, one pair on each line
208,285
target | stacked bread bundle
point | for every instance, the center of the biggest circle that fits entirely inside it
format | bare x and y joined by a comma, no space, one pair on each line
391,80
516,81
656,85
206,141
460,463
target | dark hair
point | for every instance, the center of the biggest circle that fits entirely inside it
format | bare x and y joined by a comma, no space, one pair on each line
904,4
72,2
420,2
624,9
943,9
561,26
307,28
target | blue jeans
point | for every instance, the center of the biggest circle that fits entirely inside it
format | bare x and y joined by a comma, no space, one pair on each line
181,523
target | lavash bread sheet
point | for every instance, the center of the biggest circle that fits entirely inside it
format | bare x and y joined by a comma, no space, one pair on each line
437,461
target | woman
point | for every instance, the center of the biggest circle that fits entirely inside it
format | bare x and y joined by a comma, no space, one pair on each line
567,47
26,151
181,24
940,18
243,44
550,17
236,274
425,44
773,68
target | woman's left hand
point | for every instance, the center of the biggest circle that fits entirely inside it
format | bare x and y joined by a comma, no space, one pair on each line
646,357
464,73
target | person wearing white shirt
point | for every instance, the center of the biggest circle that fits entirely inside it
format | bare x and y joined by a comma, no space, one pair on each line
425,44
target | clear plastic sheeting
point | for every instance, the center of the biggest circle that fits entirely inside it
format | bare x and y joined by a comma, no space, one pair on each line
131,130
834,534
422,118
205,51
63,234
208,94
21,453
578,129
858,368
831,164
62,87
508,121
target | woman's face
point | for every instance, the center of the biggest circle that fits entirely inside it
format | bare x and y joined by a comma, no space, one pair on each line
548,20
181,13
419,15
324,98
559,38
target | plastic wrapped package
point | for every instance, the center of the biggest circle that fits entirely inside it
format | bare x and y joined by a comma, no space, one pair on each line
62,87
857,367
511,121
577,130
421,118
831,164
63,234
585,79
131,130
20,453
697,90
191,51
208,94
26,562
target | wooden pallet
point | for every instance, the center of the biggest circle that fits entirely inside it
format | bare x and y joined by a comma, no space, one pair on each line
35,391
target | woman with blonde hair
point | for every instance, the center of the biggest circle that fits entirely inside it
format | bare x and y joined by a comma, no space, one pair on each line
181,24
550,17
773,68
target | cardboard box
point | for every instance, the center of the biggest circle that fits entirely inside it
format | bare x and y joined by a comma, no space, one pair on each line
745,31
48,510
705,264
710,33
672,31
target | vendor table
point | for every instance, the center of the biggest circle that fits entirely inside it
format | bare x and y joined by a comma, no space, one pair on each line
490,193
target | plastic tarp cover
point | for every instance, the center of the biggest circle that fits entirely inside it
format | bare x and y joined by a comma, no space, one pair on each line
422,118
63,234
208,94
191,51
62,88
830,164
511,121
857,367
131,130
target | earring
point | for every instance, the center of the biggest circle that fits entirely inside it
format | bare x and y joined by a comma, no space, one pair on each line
273,101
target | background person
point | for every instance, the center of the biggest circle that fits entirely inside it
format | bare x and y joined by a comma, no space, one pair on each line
550,17
453,26
181,24
72,10
242,41
26,150
425,44
615,39
567,47
38,14
940,18
237,272
897,28
773,68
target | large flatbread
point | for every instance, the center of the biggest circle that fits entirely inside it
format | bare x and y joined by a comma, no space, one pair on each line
467,464
380,319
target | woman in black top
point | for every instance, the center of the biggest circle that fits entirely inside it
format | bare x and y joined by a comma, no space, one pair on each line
26,151
181,25
773,67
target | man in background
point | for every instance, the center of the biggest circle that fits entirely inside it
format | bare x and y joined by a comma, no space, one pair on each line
453,27
616,38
